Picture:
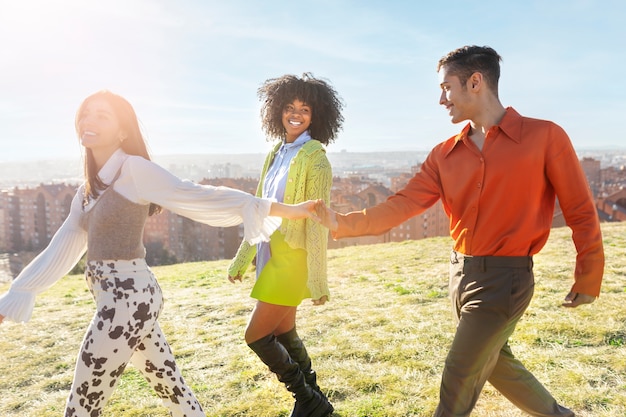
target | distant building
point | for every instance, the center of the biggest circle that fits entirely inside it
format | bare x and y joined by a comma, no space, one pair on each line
355,194
29,217
613,179
169,236
612,208
431,223
591,168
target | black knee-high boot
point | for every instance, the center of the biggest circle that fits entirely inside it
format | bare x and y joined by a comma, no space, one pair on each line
292,342
309,403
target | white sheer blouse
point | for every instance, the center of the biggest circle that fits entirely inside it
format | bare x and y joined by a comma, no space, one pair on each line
142,182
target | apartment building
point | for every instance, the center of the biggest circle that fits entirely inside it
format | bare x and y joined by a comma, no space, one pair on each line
30,216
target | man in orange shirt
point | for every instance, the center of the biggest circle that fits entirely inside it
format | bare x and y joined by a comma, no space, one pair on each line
498,180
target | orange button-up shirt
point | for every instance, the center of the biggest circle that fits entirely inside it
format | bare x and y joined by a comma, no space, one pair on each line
500,201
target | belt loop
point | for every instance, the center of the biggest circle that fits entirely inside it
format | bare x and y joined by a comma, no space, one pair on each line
483,264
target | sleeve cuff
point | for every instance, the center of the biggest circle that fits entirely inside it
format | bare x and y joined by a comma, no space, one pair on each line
17,306
258,225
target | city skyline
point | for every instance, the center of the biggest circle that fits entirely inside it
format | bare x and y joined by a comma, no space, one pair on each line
191,69
197,167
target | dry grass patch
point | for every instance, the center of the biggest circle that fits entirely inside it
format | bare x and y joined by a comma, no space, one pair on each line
378,346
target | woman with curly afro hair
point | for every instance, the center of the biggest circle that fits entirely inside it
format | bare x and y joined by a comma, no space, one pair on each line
302,114
122,188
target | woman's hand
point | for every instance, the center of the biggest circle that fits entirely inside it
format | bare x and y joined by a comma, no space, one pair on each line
326,216
320,301
234,278
1,318
304,210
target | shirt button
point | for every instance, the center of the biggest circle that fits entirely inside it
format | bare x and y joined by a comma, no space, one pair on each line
478,185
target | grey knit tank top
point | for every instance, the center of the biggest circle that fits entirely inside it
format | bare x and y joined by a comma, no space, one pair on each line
114,227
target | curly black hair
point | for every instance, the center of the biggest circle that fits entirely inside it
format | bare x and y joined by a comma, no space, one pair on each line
276,93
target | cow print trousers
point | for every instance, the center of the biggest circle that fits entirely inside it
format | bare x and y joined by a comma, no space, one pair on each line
125,329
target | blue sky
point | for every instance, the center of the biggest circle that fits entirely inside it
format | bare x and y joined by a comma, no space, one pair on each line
191,68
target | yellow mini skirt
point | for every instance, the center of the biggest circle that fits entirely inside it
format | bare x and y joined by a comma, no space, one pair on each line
283,280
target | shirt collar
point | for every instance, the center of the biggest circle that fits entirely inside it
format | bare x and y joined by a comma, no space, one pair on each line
300,140
510,125
111,167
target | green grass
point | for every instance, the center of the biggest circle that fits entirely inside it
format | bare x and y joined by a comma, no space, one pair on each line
378,345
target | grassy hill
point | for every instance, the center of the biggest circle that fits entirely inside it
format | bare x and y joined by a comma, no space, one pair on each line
378,345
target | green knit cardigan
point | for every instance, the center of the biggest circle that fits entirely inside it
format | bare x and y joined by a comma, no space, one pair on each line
310,177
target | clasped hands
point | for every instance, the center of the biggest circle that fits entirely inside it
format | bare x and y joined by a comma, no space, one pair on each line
316,210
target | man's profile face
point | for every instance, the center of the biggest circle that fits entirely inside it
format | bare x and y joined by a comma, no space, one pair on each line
455,96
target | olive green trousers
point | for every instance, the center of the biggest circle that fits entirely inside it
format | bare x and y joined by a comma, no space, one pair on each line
489,295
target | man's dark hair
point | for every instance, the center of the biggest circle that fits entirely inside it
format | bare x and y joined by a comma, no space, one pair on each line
465,61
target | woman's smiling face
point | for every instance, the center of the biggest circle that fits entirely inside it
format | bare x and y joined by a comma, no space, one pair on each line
98,127
296,119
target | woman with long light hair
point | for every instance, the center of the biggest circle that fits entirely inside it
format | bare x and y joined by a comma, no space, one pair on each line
107,216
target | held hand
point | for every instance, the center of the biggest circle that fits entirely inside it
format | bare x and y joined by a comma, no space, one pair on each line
306,210
1,318
326,216
574,299
302,210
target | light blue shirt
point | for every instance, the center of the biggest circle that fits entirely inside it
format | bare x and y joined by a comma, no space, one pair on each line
274,186
276,176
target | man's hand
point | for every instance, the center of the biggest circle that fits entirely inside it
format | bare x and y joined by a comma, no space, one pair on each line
574,299
1,318
326,216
